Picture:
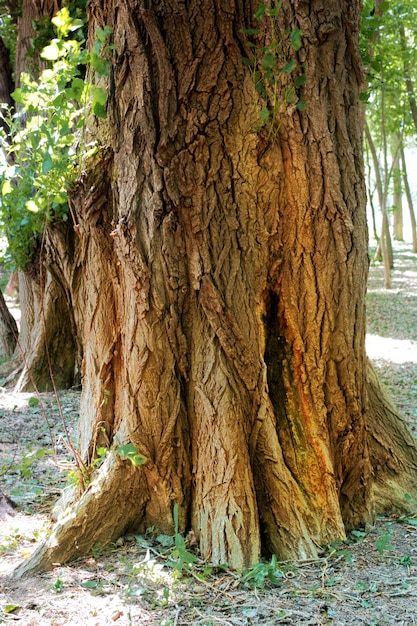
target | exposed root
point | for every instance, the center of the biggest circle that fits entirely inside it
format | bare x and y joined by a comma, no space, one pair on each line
112,505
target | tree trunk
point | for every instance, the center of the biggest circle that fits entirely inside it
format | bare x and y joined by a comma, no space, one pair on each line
397,193
221,276
8,330
409,199
6,82
47,355
384,247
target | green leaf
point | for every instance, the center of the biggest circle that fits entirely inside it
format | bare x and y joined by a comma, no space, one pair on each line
127,449
10,608
274,12
248,62
51,52
295,38
301,105
260,11
100,65
103,33
90,584
6,188
264,115
299,81
166,541
47,165
99,101
17,95
32,206
268,61
175,516
289,67
250,31
32,402
138,459
77,89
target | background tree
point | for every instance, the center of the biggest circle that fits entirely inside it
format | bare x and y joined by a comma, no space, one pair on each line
46,355
391,104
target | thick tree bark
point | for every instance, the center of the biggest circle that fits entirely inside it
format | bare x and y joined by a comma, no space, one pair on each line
8,330
218,275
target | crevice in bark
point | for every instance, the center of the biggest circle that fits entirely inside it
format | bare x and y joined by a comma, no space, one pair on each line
274,356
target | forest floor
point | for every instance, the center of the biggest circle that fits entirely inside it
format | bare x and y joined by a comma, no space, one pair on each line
370,579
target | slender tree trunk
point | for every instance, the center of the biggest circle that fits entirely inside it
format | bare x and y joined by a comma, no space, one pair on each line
385,246
219,277
371,198
397,192
409,199
407,76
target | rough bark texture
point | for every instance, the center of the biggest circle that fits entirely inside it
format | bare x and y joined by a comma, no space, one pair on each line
218,278
8,330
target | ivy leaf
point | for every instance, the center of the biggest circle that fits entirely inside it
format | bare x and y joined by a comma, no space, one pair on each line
260,11
264,115
274,12
51,52
248,62
268,61
17,96
100,65
289,67
130,451
47,165
77,89
299,81
32,206
295,38
99,101
6,188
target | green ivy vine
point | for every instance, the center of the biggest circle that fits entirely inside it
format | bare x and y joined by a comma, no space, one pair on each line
272,66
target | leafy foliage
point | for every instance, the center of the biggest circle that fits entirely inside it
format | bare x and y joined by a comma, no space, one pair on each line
46,143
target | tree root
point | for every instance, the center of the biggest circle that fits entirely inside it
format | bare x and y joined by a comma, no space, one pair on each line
112,505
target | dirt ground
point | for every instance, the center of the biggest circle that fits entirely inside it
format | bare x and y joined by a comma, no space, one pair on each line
143,580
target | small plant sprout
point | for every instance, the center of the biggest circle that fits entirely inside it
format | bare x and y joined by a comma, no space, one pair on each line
262,573
382,544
